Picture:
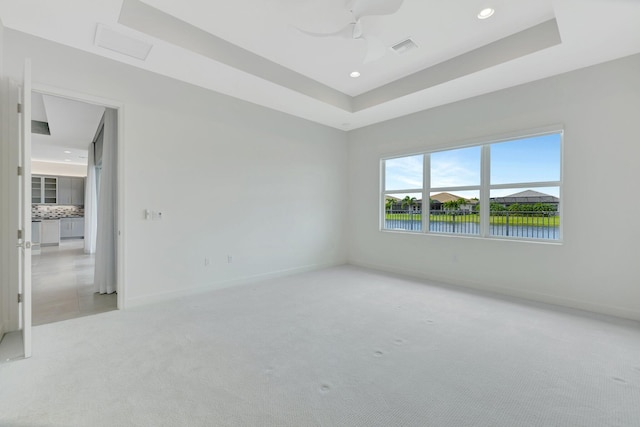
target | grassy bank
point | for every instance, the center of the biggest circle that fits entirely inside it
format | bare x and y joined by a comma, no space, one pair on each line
513,219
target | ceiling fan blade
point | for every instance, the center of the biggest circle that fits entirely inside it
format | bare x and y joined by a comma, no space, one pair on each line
357,29
361,8
346,32
375,49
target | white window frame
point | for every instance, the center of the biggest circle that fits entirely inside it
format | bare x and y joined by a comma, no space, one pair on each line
484,188
401,191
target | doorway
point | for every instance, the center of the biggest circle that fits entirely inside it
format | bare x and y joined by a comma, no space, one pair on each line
67,156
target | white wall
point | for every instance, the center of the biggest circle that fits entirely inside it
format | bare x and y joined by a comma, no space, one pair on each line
230,177
53,168
597,267
4,197
269,189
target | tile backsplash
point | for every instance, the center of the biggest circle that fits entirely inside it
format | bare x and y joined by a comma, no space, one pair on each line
55,211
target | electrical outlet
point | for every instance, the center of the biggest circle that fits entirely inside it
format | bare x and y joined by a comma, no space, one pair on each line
229,259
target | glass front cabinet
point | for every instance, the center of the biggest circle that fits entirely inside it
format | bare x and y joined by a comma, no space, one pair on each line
44,189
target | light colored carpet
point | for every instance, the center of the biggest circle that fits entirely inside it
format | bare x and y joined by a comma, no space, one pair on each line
338,347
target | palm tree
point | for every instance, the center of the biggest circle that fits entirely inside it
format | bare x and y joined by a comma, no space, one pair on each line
409,202
453,205
389,205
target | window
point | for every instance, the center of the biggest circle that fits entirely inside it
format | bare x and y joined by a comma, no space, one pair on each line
520,179
525,188
455,191
403,183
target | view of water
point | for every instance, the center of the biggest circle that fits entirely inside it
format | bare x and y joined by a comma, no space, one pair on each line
471,228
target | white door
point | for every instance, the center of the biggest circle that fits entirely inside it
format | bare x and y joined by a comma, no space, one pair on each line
24,208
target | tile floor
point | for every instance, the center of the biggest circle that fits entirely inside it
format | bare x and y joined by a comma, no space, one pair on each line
62,284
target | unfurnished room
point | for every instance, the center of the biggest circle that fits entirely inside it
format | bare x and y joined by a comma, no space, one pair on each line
319,213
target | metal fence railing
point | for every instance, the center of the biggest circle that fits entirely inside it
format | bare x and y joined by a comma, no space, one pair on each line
528,224
525,224
403,220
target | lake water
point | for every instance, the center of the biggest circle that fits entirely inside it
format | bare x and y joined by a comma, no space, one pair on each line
472,228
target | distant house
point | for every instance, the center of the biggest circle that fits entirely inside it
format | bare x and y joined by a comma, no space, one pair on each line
527,197
437,200
444,197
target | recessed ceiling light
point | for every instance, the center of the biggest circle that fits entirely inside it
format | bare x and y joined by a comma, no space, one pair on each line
355,74
67,160
67,152
486,13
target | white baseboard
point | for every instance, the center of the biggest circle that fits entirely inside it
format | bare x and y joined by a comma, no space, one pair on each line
620,312
166,296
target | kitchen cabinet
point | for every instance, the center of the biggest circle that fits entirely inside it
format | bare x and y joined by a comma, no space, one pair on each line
61,190
36,227
44,189
35,231
70,190
50,232
36,189
72,228
77,191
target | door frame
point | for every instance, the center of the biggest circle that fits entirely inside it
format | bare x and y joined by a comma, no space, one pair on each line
12,129
119,107
24,208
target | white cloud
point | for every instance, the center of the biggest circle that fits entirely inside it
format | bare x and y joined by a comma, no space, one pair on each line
404,173
453,174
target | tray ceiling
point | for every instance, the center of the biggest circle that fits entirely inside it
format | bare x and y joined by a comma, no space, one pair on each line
254,49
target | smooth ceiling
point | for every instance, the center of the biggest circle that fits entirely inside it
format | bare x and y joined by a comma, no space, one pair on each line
73,126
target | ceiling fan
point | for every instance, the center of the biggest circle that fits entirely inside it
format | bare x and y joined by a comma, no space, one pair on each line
354,29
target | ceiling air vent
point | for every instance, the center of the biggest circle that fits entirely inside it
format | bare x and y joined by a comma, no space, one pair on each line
404,46
117,42
41,128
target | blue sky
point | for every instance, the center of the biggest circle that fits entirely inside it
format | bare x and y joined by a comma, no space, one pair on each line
404,173
525,160
454,168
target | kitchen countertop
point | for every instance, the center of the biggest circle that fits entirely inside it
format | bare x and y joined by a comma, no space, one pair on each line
48,219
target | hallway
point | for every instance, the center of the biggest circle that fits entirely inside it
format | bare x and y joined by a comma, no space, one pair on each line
63,284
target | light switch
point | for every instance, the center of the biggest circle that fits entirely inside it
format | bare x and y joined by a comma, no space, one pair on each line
152,215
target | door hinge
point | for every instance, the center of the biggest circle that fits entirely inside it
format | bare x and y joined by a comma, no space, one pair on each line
19,234
19,108
19,298
19,170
